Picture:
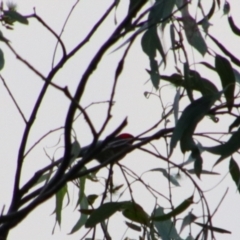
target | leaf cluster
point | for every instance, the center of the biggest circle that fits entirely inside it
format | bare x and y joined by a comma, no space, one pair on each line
198,98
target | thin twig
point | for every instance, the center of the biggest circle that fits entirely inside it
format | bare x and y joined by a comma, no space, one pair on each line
88,120
15,198
12,97
62,30
117,74
26,62
80,90
224,195
50,30
128,184
40,139
47,80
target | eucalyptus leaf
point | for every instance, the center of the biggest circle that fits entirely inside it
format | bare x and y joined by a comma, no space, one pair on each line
197,83
82,182
2,61
59,202
82,185
236,75
226,149
226,8
151,44
169,177
154,74
44,177
15,16
133,226
135,212
226,74
211,228
172,36
161,10
234,28
201,84
210,13
83,218
176,211
75,151
206,24
198,161
235,172
193,34
102,213
91,198
166,229
133,4
189,119
192,171
176,105
187,220
188,81
190,237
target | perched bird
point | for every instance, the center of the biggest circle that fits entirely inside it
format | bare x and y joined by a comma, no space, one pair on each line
116,145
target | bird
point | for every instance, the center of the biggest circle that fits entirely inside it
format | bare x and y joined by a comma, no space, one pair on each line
113,147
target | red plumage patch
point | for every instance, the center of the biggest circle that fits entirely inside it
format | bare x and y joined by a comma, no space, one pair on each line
125,136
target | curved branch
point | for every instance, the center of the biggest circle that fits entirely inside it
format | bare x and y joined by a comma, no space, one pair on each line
50,30
82,84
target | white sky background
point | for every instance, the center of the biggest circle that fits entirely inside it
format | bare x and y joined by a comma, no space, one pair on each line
35,44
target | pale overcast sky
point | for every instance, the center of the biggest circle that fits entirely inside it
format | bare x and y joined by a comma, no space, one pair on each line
35,44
